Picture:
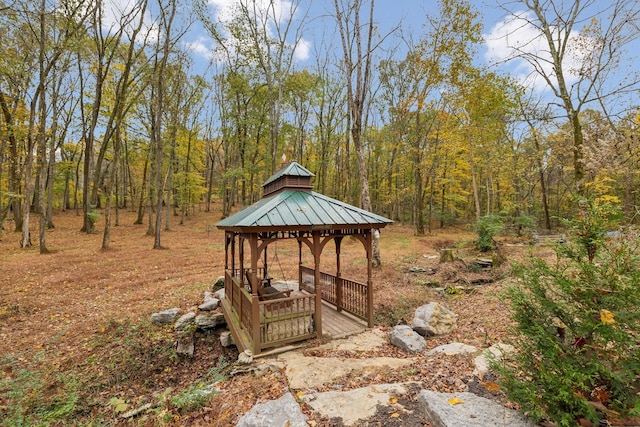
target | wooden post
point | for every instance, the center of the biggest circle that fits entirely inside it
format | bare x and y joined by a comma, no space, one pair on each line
299,262
265,268
339,303
229,290
318,285
255,324
369,239
255,301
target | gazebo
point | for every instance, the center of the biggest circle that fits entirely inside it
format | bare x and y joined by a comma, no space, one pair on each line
259,315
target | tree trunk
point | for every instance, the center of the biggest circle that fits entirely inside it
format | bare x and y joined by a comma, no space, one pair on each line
143,191
357,66
14,159
111,183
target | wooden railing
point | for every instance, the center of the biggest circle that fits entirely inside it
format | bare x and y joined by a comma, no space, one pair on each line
287,320
271,322
240,301
242,277
344,294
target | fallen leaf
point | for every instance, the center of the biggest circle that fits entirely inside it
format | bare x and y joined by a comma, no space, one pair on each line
583,422
455,400
395,415
491,386
600,394
607,317
393,400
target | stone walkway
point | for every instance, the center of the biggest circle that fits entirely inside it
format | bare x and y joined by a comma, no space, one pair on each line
305,374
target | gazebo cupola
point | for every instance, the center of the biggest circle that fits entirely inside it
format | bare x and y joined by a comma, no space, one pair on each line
291,177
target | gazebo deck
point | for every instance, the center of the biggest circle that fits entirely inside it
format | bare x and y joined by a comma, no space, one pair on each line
335,325
340,324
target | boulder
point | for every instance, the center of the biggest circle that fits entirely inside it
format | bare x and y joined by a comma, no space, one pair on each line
496,352
209,305
209,321
468,410
219,294
275,413
165,317
453,349
245,358
407,339
433,319
186,345
185,322
226,339
208,296
218,284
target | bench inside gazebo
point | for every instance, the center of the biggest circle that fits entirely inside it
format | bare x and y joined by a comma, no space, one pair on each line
259,315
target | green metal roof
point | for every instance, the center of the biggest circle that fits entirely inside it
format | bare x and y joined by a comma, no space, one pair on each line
292,169
301,209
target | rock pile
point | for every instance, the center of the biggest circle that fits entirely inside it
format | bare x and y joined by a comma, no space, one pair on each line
207,318
429,320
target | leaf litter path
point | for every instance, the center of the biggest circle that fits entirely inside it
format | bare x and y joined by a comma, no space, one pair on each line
54,301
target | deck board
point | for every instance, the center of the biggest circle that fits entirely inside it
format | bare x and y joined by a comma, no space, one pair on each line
339,325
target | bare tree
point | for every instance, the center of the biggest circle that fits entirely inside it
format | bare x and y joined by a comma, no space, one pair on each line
584,44
120,107
264,35
53,40
358,47
168,37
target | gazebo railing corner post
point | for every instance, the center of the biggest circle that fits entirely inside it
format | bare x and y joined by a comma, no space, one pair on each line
299,261
339,282
255,324
370,280
370,303
339,292
317,283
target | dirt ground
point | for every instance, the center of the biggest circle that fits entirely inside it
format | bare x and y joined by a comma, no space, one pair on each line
84,312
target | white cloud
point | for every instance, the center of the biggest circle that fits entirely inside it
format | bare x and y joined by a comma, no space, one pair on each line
223,9
201,47
116,12
516,37
303,50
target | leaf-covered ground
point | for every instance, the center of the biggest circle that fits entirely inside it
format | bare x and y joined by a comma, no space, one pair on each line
76,344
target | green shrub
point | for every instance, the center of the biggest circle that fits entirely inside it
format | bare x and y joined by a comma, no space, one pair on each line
200,393
93,216
577,327
487,227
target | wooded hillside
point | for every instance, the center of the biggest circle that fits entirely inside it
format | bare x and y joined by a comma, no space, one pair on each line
105,110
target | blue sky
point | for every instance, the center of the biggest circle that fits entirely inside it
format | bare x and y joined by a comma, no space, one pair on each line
411,16
408,14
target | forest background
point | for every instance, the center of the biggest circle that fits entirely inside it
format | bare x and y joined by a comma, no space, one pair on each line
104,108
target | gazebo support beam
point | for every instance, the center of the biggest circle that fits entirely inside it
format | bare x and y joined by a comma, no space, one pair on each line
338,242
255,306
369,246
317,250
